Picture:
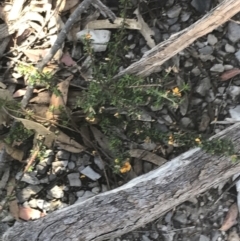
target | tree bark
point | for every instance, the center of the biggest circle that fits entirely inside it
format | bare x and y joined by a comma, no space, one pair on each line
136,203
154,58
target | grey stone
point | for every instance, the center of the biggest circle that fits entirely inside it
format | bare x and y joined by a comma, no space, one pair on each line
181,217
229,48
205,57
168,217
130,37
85,196
235,113
185,16
217,68
207,50
172,21
203,87
56,192
90,173
104,188
96,190
174,11
33,203
233,32
188,64
98,161
204,238
63,155
184,105
157,34
27,192
228,67
201,5
49,153
71,165
147,167
80,193
28,177
233,91
175,28
186,122
44,180
144,49
42,166
74,180
99,38
58,166
145,238
212,40
83,161
132,46
42,204
71,198
196,71
221,90
237,55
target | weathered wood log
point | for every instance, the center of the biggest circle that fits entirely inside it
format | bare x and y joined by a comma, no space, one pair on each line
140,201
154,58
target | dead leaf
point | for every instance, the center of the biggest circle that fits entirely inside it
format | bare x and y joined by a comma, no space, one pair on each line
15,153
35,54
231,218
34,16
65,139
5,95
58,101
4,118
229,74
13,208
86,136
69,148
27,213
147,156
67,60
101,140
38,129
66,4
41,98
10,186
137,167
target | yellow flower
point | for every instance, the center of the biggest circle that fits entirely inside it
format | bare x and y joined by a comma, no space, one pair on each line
170,140
88,36
176,92
147,140
116,115
92,120
116,161
126,167
198,140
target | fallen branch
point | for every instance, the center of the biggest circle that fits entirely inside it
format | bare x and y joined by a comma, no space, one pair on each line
140,201
154,58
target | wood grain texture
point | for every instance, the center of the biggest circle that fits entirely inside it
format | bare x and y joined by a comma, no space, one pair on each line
153,59
140,201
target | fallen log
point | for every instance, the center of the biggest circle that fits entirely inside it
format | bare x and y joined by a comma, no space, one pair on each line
136,203
154,58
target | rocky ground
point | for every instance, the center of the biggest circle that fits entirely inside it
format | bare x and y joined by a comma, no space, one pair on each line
210,68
